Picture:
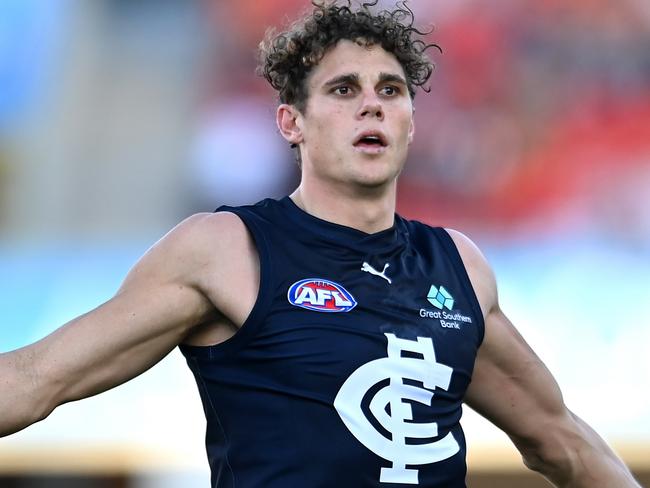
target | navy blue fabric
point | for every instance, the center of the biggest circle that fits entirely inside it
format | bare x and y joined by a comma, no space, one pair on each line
268,392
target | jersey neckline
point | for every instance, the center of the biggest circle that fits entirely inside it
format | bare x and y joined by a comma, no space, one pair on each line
381,241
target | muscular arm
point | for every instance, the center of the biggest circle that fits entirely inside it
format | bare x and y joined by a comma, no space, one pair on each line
161,300
512,388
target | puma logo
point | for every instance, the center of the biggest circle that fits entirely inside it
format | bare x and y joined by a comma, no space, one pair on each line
369,269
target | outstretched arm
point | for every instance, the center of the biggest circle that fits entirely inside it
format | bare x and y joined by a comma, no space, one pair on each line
512,388
160,302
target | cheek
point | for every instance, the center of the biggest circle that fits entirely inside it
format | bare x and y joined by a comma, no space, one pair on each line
407,124
328,126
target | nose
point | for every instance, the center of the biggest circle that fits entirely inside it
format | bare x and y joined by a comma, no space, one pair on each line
371,107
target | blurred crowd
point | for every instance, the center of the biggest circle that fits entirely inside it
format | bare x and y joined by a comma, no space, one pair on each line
538,116
539,111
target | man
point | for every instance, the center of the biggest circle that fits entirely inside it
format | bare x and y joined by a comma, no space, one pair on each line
333,342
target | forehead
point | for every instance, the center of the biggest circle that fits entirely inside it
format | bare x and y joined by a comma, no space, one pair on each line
349,57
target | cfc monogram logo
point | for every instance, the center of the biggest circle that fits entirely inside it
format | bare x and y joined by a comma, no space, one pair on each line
396,369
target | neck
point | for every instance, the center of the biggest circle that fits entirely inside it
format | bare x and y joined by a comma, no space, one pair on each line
370,211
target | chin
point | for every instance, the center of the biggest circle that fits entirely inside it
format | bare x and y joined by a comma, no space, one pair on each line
375,181
378,176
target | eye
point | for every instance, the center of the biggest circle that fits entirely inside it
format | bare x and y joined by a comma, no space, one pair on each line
342,90
390,90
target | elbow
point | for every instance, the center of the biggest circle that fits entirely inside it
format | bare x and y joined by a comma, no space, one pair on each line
553,464
553,450
24,399
569,453
39,391
21,418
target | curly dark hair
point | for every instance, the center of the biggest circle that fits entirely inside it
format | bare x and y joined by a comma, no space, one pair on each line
286,58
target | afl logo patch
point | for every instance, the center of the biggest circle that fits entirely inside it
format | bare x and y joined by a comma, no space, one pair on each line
321,296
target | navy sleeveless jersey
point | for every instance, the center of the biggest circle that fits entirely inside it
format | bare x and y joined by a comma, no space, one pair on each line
351,369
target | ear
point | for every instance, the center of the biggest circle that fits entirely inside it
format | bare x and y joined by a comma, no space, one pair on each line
411,130
287,119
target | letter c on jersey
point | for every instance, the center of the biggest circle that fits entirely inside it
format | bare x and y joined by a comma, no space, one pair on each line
395,368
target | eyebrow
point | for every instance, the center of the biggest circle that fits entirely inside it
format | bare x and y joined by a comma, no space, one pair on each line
353,79
348,78
392,77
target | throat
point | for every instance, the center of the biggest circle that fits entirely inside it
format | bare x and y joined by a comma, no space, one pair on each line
369,215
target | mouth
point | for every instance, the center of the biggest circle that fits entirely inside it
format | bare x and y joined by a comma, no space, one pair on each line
371,142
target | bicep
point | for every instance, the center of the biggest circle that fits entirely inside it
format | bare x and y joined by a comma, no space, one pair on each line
113,343
156,307
511,386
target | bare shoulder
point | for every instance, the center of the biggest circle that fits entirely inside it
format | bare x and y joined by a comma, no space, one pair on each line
221,237
205,232
220,253
479,270
225,225
200,242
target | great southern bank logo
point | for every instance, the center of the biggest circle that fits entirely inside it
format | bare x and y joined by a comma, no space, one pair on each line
440,298
411,443
321,295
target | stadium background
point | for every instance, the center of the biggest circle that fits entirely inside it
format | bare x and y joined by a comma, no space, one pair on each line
119,118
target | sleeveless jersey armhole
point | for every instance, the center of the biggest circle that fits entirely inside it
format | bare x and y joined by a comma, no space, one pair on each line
262,302
452,252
